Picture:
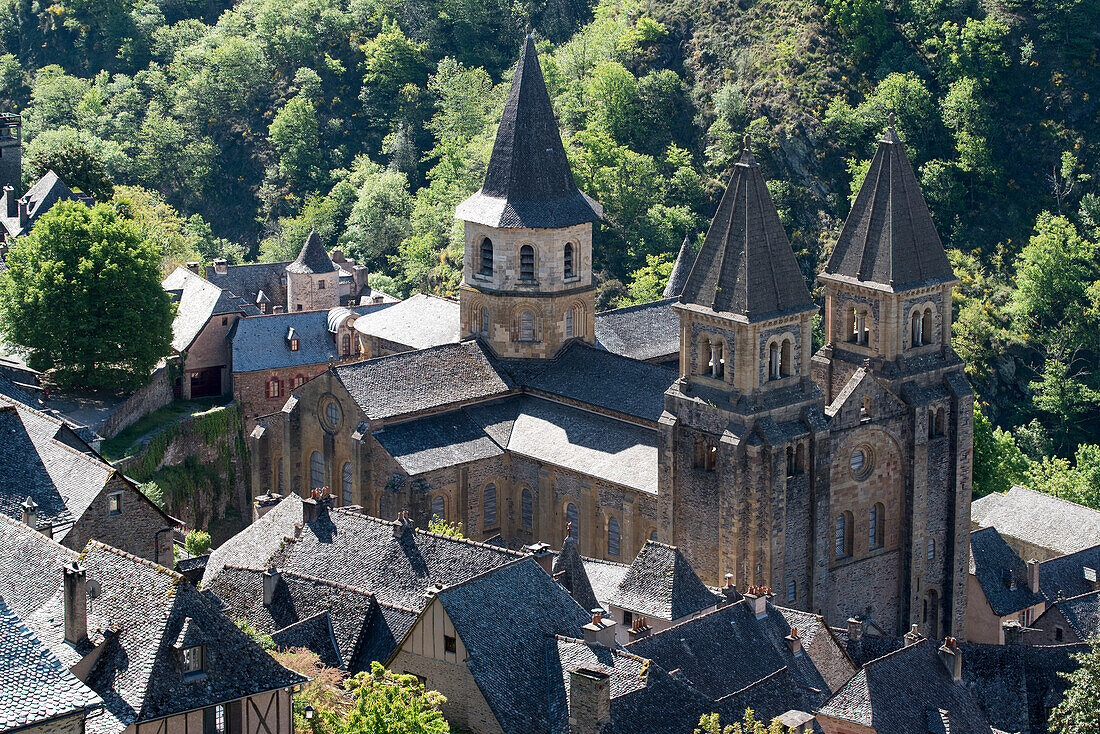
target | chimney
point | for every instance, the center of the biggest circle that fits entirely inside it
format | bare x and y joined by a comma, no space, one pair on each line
1092,578
194,266
912,636
541,553
600,631
589,701
402,525
1033,575
11,207
856,626
23,216
794,642
75,603
758,599
310,509
952,658
639,629
264,504
30,514
270,581
277,309
221,266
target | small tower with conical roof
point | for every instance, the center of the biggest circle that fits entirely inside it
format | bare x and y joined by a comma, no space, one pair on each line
311,280
527,273
680,269
743,410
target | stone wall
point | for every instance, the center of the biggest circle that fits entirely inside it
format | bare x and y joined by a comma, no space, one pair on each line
250,389
133,530
155,395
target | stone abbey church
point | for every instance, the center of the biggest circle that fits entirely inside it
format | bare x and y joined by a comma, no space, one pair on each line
840,479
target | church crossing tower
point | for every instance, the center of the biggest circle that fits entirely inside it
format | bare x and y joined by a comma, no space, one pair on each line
527,273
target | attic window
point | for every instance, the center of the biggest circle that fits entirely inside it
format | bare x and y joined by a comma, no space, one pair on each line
294,345
320,285
192,661
225,321
450,644
114,503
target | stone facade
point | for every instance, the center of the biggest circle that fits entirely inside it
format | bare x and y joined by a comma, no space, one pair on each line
256,394
312,291
132,529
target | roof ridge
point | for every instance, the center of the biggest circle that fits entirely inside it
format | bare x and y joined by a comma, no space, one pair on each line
175,575
755,683
477,543
483,574
375,360
689,620
636,306
614,650
29,530
605,562
1051,496
903,648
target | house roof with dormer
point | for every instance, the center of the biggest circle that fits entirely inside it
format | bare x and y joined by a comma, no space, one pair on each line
746,267
1001,573
529,183
312,260
889,239
1039,519
40,198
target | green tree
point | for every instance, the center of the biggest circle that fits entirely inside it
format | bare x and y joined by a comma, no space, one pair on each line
862,22
81,296
442,527
380,218
79,167
391,703
197,542
648,283
709,724
1079,711
998,461
296,138
255,635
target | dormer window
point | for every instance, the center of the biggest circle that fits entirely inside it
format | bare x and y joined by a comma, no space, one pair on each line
192,661
114,503
320,285
294,345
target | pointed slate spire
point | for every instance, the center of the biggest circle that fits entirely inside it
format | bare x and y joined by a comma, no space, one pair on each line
312,258
746,266
528,182
680,270
889,238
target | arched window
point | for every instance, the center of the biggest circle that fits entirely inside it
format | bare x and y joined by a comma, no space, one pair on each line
572,520
527,326
569,324
346,477
773,361
843,535
704,355
613,537
527,508
439,507
861,330
490,505
486,265
717,359
940,416
790,461
931,549
484,321
345,344
316,470
792,591
786,359
527,263
653,535
712,457
876,526
568,259
931,423
800,459
926,326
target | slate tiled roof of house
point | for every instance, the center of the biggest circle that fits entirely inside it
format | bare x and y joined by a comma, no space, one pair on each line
528,182
681,269
589,375
898,693
746,266
312,259
569,572
428,378
1001,573
40,197
34,686
889,238
42,458
604,577
646,331
246,281
196,301
437,442
1083,614
418,322
504,661
255,546
140,611
314,634
661,583
16,393
1039,519
1064,577
260,343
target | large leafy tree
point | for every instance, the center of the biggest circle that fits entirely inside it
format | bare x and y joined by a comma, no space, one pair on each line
81,296
1079,711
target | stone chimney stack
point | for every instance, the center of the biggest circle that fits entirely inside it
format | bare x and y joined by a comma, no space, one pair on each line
758,600
952,658
311,508
600,631
195,267
1092,578
912,636
11,206
729,592
270,581
639,629
541,553
30,514
1033,575
264,504
75,603
402,525
589,701
856,626
794,642
23,215
221,266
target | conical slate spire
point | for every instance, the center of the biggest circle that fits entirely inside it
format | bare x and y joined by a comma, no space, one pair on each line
680,270
746,266
312,258
889,238
529,182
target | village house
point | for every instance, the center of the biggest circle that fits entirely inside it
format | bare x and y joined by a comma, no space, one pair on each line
159,654
1038,525
1004,596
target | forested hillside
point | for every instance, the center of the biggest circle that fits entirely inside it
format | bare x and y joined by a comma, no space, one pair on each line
232,129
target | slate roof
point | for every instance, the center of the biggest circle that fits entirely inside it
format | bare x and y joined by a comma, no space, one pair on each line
197,300
661,583
503,661
589,375
604,577
41,457
139,612
312,258
528,182
1083,614
418,322
260,343
569,571
991,561
34,686
41,197
646,331
412,381
258,542
1039,519
437,442
746,266
16,393
1064,577
681,269
897,692
889,238
314,634
247,280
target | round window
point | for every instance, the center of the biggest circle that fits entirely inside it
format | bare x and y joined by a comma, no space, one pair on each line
330,414
861,461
